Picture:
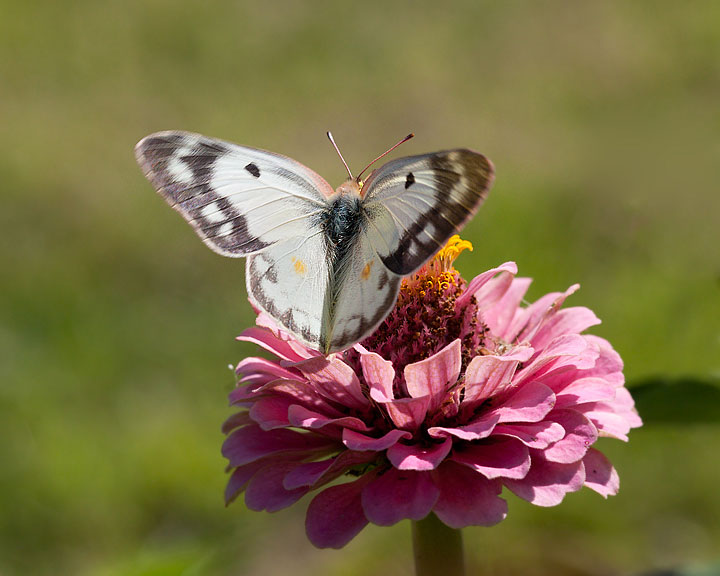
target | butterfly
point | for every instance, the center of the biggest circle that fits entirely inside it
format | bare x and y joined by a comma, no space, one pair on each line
325,264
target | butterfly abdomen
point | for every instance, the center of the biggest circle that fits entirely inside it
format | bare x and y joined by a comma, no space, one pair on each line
342,222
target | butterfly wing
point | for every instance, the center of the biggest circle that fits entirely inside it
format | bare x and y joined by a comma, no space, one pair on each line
247,202
239,200
289,280
362,292
415,204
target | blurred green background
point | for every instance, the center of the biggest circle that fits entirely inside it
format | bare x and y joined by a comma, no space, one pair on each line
117,323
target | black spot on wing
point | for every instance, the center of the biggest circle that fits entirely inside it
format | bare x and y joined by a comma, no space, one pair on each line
409,180
253,170
194,192
461,180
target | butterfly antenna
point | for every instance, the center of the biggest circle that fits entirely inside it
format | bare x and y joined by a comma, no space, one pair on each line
411,135
332,141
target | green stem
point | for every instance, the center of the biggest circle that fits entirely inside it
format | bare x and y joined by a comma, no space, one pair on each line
438,548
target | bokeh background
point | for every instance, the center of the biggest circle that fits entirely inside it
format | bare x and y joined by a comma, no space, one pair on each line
117,324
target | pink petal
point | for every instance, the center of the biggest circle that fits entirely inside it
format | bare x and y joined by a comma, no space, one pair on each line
625,403
421,458
264,338
531,403
246,393
265,490
480,428
335,516
343,462
547,482
529,319
303,418
399,494
271,412
435,375
335,380
489,375
378,373
489,286
299,349
608,423
316,474
360,442
250,443
567,321
600,474
504,458
302,393
613,419
584,390
609,360
236,421
467,498
262,368
532,434
580,434
306,474
500,316
583,360
571,350
239,479
406,413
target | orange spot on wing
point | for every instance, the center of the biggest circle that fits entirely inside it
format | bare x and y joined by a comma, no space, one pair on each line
299,265
365,274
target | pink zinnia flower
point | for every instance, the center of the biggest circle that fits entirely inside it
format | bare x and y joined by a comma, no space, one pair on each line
461,391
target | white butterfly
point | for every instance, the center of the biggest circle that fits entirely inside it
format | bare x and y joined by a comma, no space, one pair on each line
325,264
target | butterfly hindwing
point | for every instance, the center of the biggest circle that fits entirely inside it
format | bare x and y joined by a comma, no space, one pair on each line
288,281
362,292
239,200
415,204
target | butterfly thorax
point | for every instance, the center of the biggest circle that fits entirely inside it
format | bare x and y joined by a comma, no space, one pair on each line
342,220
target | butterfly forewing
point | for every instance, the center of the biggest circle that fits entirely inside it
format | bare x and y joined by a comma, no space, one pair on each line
415,204
239,200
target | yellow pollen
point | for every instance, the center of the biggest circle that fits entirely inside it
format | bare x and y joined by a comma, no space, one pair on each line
299,265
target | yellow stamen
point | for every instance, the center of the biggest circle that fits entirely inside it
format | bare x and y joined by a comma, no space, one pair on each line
447,255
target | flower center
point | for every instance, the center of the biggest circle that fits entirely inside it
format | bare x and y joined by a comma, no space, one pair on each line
428,316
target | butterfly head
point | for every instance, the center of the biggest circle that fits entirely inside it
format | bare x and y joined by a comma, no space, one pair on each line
351,187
